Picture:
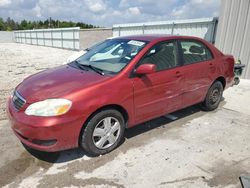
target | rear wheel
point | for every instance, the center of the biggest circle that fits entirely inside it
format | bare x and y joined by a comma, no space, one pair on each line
213,96
103,132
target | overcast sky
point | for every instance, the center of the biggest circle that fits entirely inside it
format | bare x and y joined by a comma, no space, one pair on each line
108,12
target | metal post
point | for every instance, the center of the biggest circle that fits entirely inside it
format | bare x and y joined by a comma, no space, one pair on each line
51,35
43,38
74,39
215,22
31,42
143,29
172,30
36,38
119,31
62,37
25,37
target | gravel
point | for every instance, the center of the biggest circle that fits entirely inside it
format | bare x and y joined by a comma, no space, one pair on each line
17,61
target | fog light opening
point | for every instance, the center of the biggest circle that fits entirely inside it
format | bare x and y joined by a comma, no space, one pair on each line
44,142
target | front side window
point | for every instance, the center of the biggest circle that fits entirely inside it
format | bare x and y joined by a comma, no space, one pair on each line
163,55
194,51
112,55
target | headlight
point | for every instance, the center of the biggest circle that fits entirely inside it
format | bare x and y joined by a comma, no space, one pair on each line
49,107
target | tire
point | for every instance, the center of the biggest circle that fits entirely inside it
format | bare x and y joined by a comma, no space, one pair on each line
106,125
213,97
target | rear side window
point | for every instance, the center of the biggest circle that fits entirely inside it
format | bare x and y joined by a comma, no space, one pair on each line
194,51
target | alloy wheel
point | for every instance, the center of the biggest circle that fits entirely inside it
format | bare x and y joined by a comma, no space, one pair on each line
106,132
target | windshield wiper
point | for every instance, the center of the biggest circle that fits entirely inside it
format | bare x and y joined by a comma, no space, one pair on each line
97,70
83,67
80,65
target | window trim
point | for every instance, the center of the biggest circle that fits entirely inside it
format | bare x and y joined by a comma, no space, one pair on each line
178,58
195,41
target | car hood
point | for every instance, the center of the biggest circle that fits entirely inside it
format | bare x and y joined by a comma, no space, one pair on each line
57,82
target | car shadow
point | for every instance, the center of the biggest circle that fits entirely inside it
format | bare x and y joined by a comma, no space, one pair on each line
56,157
160,121
73,154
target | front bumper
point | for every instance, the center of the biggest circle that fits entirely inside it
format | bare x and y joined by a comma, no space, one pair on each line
45,133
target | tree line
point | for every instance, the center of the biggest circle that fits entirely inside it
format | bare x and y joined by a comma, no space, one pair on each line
10,24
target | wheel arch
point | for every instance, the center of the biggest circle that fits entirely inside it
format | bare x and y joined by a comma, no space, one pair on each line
117,107
222,80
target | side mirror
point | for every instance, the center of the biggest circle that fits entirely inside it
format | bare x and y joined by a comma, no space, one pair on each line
145,69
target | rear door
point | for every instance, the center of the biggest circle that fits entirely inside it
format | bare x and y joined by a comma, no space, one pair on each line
198,68
158,93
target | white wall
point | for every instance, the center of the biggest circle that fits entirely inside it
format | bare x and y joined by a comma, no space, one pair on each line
233,36
204,28
6,37
67,38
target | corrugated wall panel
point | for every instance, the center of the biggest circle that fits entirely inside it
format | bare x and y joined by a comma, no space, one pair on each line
233,31
245,50
204,28
237,42
60,38
230,27
225,11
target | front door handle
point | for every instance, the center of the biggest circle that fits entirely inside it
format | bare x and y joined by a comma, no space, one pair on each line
178,74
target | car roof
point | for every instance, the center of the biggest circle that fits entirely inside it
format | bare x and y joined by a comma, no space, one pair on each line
152,37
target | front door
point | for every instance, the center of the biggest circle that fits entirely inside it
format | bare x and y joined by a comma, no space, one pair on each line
158,93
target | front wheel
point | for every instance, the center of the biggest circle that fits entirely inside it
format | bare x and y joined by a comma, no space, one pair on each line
103,132
213,97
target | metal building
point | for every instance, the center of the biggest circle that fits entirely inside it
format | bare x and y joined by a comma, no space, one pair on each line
233,33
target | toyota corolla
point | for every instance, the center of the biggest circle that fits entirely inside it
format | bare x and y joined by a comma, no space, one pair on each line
117,84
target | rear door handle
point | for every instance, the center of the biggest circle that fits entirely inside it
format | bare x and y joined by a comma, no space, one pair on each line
211,65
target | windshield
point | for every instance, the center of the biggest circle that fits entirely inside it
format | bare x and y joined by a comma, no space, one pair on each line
111,56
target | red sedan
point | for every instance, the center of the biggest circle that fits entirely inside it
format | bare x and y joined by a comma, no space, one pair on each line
116,85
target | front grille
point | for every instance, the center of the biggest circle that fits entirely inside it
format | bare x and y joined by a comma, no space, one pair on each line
18,100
